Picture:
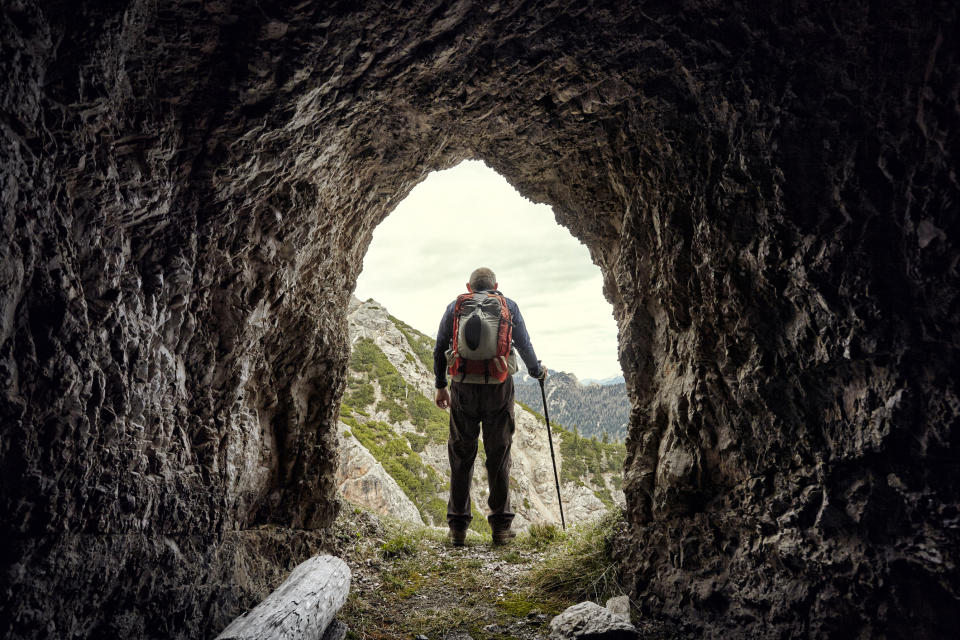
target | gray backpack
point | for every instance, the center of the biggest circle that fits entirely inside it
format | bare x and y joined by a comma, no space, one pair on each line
482,352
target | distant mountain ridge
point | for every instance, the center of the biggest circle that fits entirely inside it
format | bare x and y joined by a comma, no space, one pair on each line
593,409
603,381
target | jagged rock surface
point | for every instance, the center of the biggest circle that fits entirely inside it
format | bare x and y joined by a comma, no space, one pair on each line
363,481
769,189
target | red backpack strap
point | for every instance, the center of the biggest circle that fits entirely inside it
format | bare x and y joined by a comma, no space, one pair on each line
505,336
496,368
456,367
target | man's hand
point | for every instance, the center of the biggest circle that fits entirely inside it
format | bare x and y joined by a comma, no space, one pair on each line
442,398
542,373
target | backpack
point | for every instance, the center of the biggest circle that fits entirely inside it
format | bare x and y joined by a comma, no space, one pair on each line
482,339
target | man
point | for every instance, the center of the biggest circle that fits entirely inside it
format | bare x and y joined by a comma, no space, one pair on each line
477,399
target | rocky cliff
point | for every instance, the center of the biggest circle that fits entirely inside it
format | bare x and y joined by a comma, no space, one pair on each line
769,189
391,362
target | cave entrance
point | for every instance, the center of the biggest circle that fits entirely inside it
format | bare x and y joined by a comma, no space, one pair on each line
414,266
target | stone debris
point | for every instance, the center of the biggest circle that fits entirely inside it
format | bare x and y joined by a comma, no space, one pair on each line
590,620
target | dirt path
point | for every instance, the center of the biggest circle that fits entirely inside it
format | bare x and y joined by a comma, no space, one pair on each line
409,582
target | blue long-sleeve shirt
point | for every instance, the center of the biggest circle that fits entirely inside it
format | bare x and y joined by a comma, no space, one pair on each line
521,340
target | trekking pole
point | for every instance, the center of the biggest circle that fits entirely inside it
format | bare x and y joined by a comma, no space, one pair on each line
543,394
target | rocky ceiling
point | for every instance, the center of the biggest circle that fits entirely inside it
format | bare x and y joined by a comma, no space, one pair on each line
770,189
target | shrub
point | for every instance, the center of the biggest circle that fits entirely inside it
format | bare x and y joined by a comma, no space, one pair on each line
420,482
359,394
417,442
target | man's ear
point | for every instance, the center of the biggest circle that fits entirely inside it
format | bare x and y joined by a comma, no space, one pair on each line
496,285
468,288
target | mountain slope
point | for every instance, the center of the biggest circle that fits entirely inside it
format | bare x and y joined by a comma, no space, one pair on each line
388,412
594,409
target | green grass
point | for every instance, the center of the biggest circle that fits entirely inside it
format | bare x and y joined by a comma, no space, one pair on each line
479,522
539,537
603,494
581,564
402,543
359,393
393,409
425,590
522,604
417,442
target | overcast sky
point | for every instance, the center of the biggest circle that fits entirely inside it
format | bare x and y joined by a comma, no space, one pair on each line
469,216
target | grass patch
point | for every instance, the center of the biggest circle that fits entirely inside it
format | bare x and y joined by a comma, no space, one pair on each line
359,393
581,565
603,494
523,603
401,544
479,522
422,586
400,401
392,408
539,537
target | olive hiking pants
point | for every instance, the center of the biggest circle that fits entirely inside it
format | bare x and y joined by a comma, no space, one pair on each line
472,407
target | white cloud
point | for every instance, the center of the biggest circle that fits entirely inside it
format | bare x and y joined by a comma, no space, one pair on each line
469,216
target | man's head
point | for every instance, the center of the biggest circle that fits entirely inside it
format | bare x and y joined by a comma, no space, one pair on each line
482,279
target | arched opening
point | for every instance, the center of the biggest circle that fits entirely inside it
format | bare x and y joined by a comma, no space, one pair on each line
418,261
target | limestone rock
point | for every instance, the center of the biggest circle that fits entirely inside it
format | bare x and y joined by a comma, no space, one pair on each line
363,481
590,621
619,606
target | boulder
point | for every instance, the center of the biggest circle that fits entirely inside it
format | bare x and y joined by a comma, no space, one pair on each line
589,620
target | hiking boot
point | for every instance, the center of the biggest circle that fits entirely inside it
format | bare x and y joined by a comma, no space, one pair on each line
458,537
503,536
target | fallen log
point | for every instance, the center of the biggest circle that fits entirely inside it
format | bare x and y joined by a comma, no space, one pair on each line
299,609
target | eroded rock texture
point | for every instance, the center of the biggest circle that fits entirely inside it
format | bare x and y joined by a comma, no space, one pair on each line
188,189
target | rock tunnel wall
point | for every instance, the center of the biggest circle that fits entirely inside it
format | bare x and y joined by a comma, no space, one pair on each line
770,191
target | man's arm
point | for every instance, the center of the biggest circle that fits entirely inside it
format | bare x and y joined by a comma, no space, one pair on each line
444,336
521,340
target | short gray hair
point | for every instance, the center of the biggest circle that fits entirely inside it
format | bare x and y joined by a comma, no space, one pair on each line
483,279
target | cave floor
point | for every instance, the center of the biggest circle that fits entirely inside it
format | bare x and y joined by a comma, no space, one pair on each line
409,582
